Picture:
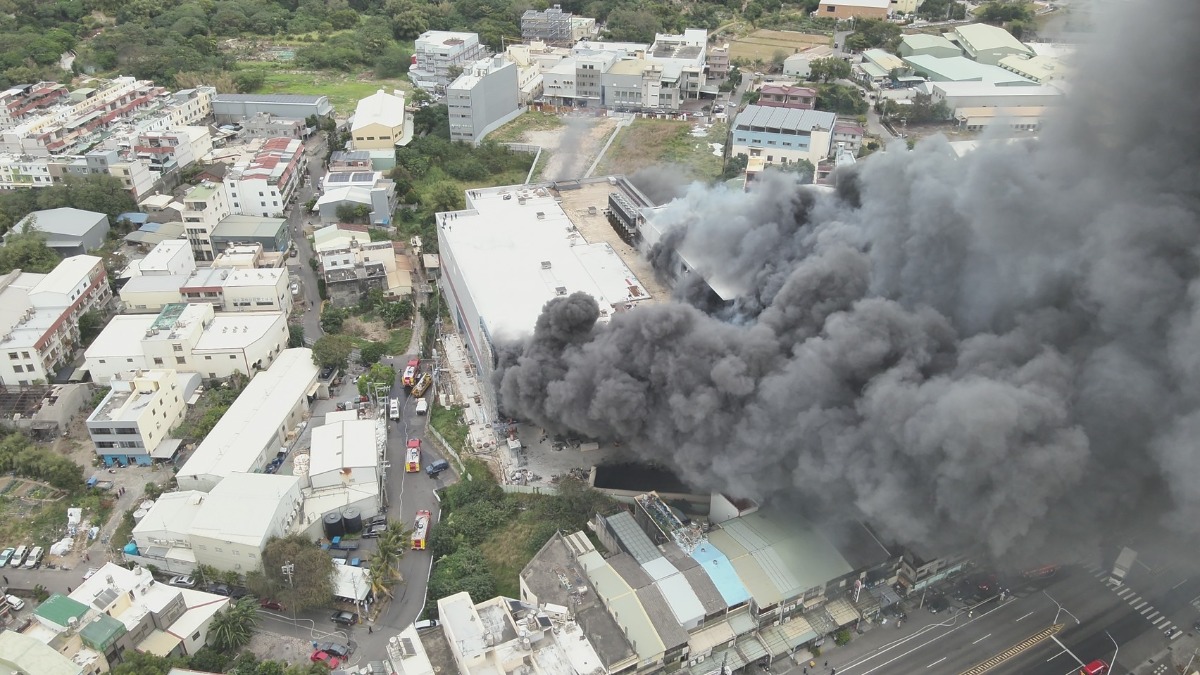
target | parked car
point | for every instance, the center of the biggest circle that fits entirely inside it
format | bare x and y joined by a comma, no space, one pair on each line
91,572
15,602
325,657
938,604
374,531
6,556
271,604
182,582
336,648
344,618
434,468
380,519
220,589
326,372
426,624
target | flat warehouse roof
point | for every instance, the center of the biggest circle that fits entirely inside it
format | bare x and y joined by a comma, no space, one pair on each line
523,236
253,420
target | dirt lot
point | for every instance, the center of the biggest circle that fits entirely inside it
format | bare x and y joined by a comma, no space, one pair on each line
572,147
682,146
374,331
762,45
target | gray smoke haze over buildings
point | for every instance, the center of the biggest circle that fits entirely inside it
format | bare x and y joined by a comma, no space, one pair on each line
1002,349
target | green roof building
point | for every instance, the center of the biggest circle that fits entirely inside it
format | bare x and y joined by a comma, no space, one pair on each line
102,633
58,610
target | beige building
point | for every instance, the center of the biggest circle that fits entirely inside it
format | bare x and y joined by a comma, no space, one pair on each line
238,517
133,423
380,122
850,9
229,290
204,207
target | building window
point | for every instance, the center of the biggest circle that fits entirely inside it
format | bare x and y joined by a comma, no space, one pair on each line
13,355
158,361
18,369
208,358
177,347
25,354
233,356
180,360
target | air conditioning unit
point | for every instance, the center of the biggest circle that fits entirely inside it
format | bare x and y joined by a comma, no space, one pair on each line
775,623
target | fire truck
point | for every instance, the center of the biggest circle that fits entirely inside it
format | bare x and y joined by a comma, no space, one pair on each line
420,531
412,463
411,373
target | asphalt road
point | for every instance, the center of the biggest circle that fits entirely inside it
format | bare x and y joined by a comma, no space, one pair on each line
298,268
1031,635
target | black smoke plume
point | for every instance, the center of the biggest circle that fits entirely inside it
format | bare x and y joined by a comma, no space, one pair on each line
1001,349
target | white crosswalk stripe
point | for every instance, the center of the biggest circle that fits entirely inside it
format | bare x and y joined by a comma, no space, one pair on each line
1177,635
1161,621
1125,592
1150,617
1141,605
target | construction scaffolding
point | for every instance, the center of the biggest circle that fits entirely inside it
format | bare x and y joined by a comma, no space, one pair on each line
552,25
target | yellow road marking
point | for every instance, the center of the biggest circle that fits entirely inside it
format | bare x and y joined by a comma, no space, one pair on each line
1014,650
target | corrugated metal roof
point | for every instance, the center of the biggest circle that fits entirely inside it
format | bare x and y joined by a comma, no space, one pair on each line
721,572
682,599
791,119
632,538
267,98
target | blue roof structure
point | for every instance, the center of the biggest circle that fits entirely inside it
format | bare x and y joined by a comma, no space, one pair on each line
134,217
720,570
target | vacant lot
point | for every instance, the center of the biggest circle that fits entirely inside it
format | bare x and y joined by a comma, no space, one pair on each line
343,89
678,144
516,130
764,45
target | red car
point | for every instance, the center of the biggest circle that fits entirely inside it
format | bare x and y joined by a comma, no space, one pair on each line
271,604
326,658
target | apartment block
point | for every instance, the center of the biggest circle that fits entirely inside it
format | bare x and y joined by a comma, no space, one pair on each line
39,317
437,51
175,149
22,101
229,290
204,207
264,184
133,422
351,272
483,98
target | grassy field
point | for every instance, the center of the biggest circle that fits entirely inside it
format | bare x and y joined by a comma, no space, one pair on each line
649,142
763,44
507,551
397,344
343,89
42,524
448,422
515,130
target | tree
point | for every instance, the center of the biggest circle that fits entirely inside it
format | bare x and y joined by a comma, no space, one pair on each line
377,374
802,167
311,583
446,197
925,110
997,12
27,251
393,62
232,627
295,335
936,10
370,354
397,312
143,663
872,33
632,25
332,351
841,99
249,80
353,213
828,69
90,325
332,319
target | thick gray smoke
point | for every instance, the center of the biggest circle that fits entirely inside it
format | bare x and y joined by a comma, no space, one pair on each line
1003,348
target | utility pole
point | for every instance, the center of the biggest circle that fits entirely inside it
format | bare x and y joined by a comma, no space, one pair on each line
288,570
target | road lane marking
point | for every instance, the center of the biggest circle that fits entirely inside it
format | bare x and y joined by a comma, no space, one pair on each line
1141,605
1179,584
1134,599
1125,592
936,662
1177,634
1014,650
982,639
1161,620
1025,616
1150,617
921,632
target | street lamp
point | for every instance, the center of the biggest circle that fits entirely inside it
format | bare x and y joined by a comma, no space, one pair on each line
288,569
1116,649
1062,609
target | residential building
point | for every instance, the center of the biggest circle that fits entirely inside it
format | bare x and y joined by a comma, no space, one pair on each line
799,65
984,95
523,235
39,317
265,184
920,44
204,206
343,160
247,257
153,232
682,60
266,125
190,338
988,44
787,96
174,149
233,107
118,610
877,67
21,653
240,515
380,122
962,69
26,100
541,587
261,423
488,636
132,425
718,62
272,234
851,9
69,231
23,171
1040,69
848,135
167,258
352,272
1017,118
903,7
68,128
228,290
783,135
136,176
376,200
189,107
340,236
484,97
437,52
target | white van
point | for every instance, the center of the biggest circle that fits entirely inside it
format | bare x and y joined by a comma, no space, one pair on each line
18,558
34,559
422,407
395,409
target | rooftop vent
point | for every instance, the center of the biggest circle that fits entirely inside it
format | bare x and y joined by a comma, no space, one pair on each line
561,290
545,264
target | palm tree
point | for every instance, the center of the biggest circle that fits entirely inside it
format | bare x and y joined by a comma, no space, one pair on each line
232,627
383,575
